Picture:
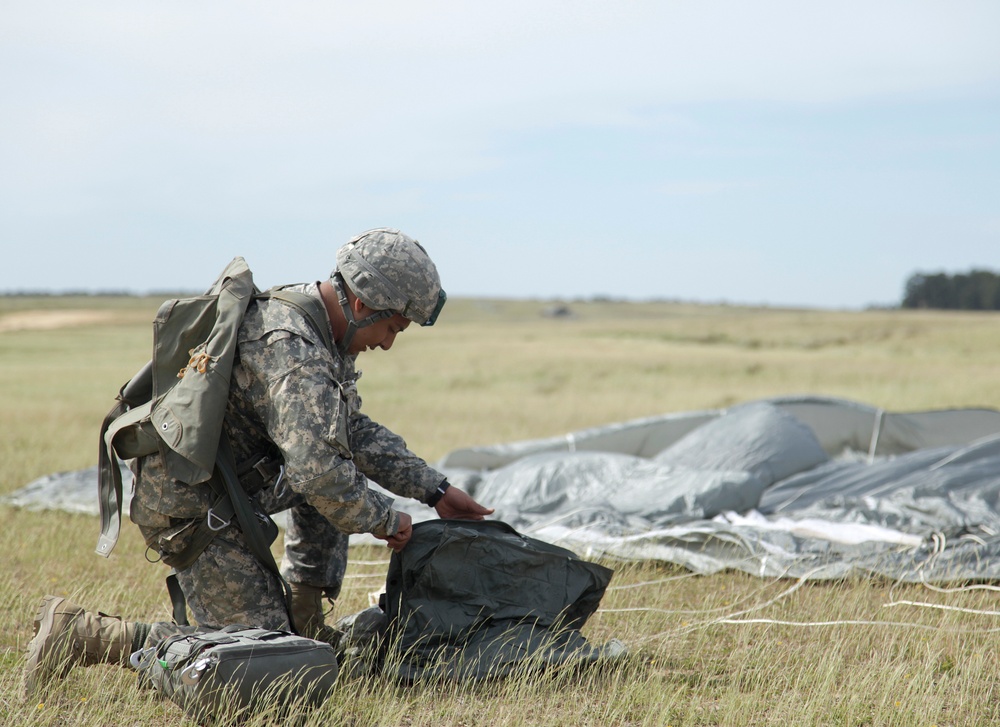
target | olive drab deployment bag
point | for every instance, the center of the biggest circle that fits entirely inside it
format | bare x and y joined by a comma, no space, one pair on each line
236,672
469,600
176,403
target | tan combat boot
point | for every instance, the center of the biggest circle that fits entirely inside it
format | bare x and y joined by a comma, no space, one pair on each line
66,635
306,610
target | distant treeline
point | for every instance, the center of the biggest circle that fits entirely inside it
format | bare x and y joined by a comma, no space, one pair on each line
975,290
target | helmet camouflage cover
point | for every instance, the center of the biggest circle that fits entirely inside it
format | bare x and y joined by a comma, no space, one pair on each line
388,270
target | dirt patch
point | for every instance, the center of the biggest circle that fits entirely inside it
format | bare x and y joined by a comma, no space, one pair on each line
39,320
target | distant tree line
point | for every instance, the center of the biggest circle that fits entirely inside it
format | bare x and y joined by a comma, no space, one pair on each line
975,290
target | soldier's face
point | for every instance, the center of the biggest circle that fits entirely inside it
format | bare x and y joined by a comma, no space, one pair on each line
378,335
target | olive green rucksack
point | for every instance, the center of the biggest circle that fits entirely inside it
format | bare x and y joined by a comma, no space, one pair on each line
176,403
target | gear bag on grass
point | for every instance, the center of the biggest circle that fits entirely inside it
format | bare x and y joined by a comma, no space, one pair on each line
476,599
238,672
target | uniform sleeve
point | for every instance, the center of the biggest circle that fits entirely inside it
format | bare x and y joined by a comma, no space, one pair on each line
306,416
384,457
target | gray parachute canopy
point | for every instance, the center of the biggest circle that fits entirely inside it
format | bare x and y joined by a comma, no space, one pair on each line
790,486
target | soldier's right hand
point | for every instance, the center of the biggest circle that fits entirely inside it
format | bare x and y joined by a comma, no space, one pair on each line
458,505
398,541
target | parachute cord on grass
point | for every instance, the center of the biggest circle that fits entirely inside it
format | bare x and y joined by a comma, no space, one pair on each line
362,586
733,619
689,574
939,589
643,584
906,624
941,607
739,601
961,589
847,622
704,624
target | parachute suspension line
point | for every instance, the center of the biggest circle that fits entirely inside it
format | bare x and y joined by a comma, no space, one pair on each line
962,589
727,619
778,622
944,607
941,607
876,431
734,619
643,584
706,611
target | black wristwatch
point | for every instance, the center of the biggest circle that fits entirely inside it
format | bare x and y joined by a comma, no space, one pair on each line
435,498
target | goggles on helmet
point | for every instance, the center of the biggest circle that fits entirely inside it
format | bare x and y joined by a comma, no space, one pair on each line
430,319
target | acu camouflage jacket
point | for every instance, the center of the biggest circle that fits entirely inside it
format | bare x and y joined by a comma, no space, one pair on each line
291,398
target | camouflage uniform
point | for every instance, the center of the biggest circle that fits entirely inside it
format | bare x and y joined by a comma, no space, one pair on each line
291,399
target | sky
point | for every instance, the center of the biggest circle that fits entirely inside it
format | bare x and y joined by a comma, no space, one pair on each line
782,153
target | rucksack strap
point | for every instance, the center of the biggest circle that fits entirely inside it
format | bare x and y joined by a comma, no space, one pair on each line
309,306
233,502
135,393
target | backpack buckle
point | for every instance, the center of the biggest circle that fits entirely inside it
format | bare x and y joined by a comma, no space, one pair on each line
214,522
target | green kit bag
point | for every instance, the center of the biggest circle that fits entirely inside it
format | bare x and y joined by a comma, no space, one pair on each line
475,600
237,672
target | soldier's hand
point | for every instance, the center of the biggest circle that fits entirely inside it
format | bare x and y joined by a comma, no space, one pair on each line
458,505
398,541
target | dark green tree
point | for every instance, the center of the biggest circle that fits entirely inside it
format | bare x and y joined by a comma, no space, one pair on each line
975,290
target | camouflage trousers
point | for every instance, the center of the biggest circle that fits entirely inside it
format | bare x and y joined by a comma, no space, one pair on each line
228,585
315,551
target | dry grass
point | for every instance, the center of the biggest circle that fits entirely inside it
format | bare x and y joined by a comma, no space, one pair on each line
728,649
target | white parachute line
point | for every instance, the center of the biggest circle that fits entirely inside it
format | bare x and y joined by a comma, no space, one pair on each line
876,431
705,624
643,584
941,607
960,589
843,622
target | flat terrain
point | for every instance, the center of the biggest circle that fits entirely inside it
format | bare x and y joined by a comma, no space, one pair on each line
727,649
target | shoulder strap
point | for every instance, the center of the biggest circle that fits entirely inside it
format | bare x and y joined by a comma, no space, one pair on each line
253,529
310,307
134,394
233,502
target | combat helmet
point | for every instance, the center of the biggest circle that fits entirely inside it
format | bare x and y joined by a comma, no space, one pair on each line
390,273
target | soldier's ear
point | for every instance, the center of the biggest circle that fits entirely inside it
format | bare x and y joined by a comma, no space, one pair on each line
359,309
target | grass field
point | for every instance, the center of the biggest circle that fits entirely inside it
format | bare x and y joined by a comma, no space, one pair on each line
727,649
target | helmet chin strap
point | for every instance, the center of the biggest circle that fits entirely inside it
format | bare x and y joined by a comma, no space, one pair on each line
353,325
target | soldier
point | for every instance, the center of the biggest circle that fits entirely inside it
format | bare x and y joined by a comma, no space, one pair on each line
301,443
